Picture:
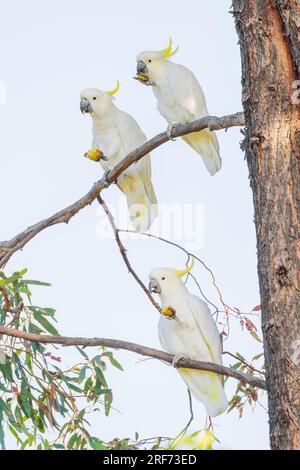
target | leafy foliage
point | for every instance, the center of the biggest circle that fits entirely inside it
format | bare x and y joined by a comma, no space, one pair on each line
36,392
40,397
246,394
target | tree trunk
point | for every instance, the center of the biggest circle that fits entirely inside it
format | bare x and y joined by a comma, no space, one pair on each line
269,36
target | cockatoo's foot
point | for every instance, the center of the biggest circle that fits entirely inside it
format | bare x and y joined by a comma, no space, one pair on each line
168,312
95,155
170,130
177,358
106,179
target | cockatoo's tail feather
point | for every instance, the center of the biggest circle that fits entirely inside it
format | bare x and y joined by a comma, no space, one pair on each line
141,201
206,387
205,144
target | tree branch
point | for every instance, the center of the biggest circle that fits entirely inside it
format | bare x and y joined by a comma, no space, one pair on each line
8,248
136,348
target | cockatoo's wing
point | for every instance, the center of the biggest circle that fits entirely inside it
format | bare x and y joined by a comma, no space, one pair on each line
190,104
136,182
186,91
203,343
131,135
206,386
208,327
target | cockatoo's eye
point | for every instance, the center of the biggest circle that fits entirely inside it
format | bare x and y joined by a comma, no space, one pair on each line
149,61
94,97
163,278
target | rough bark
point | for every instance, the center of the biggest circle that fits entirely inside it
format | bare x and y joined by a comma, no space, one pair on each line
269,38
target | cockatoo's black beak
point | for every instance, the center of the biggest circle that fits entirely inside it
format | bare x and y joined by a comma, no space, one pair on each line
85,106
141,67
154,286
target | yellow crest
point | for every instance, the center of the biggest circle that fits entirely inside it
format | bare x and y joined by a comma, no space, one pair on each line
186,270
167,52
114,91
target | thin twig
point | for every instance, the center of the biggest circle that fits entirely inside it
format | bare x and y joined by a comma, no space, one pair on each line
191,411
227,308
8,248
239,359
136,348
123,252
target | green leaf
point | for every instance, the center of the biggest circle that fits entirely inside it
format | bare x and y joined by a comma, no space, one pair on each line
7,371
255,336
15,277
108,398
100,376
98,359
239,356
88,385
82,373
96,444
24,399
2,437
58,446
258,356
15,434
43,310
3,405
83,444
113,361
2,314
71,441
44,322
4,389
237,365
82,352
33,282
73,387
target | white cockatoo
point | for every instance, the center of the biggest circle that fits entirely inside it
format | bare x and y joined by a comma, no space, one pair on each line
191,333
115,134
180,100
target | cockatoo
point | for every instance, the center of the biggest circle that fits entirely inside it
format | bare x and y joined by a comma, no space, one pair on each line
180,100
191,333
115,134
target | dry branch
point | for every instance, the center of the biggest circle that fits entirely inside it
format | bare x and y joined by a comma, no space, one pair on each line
136,348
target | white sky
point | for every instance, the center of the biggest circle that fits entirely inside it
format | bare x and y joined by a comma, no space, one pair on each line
50,52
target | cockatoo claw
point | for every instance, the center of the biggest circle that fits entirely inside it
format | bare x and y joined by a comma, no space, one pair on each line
168,312
95,155
170,129
106,179
177,358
